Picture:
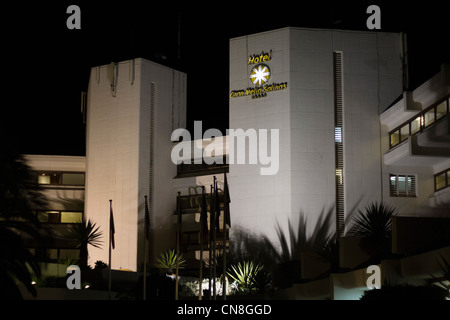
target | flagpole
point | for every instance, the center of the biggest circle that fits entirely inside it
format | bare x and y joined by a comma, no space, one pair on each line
214,240
200,280
202,217
178,244
224,271
226,221
144,293
211,226
110,243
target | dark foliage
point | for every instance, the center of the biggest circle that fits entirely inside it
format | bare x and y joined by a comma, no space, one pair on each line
20,196
405,292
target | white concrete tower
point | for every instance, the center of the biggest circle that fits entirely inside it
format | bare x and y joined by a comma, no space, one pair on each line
133,107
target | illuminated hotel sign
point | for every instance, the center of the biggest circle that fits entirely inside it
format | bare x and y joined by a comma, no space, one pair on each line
263,57
259,77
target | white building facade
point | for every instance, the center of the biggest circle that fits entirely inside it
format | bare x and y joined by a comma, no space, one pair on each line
323,90
133,107
416,149
328,94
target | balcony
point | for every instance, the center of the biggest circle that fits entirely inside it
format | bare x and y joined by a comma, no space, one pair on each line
425,146
195,170
440,198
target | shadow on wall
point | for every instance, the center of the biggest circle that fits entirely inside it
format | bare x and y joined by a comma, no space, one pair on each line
284,257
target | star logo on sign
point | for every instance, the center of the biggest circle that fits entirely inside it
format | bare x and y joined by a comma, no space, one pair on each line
260,74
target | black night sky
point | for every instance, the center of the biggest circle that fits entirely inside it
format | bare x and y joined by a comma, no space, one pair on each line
48,65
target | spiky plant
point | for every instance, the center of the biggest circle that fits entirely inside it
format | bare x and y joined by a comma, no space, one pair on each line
246,276
374,221
168,261
84,234
445,271
374,225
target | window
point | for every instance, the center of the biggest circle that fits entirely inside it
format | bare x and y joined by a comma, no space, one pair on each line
339,143
71,217
60,216
441,110
404,132
429,118
442,180
61,178
49,178
339,176
395,138
337,134
415,125
402,185
74,179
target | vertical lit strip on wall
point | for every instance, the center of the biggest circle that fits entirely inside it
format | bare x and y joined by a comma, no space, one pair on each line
339,141
151,164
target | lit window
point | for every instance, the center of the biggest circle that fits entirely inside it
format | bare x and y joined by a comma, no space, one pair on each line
441,110
429,117
71,217
395,138
61,178
442,180
43,179
60,216
415,125
49,216
49,178
402,185
404,132
337,134
339,176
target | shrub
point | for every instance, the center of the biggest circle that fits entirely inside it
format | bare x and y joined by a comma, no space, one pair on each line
405,292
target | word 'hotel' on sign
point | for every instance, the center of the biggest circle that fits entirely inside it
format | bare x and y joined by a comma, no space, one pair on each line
263,57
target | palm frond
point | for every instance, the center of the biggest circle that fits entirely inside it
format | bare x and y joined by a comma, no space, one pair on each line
86,233
374,222
245,275
168,260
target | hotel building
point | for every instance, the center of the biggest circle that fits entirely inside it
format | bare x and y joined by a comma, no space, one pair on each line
348,135
332,86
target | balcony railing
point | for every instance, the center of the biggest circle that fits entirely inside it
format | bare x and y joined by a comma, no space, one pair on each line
419,123
193,169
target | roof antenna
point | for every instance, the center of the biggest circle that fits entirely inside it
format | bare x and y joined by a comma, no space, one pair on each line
179,37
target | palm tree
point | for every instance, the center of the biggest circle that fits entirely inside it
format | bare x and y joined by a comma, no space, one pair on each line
374,226
16,261
19,197
84,234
